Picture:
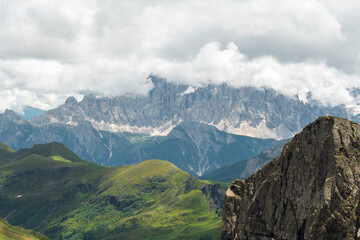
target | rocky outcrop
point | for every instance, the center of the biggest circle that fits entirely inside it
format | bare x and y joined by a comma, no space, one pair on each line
310,192
215,194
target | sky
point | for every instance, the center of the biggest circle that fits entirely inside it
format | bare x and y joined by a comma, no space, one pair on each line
50,50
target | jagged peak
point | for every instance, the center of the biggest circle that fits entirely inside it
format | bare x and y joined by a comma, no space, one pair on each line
71,101
157,81
89,97
341,131
10,114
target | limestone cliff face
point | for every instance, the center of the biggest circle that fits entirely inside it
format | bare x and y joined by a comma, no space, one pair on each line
262,113
310,192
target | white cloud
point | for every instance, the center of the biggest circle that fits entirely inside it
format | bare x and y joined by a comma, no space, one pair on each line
63,48
215,65
16,98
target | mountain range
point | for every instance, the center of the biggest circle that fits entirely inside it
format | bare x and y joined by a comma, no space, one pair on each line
262,113
196,128
194,147
310,192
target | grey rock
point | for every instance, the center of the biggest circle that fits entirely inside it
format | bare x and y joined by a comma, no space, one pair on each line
198,148
247,111
310,192
194,147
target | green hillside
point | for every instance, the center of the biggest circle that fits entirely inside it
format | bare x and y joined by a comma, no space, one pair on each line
10,232
49,190
6,153
51,149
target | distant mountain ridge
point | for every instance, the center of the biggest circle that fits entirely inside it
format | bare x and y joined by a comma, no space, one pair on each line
245,168
247,111
194,147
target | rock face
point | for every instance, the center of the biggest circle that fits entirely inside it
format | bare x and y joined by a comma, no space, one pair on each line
200,148
194,147
310,192
246,111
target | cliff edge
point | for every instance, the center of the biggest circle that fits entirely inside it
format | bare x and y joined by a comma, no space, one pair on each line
310,192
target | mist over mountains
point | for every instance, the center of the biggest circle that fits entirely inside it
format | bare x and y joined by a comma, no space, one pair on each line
195,128
249,111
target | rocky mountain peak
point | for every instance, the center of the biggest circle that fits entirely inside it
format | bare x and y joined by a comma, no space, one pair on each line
89,98
10,115
157,81
262,113
311,192
71,101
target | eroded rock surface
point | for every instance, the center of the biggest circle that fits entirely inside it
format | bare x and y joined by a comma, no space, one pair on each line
310,192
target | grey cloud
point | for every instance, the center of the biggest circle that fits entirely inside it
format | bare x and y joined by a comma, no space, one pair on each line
110,47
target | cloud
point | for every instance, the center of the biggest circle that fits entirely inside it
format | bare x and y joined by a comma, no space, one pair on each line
63,48
16,98
215,65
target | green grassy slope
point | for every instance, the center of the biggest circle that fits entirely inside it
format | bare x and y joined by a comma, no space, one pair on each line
5,148
10,232
6,153
66,199
52,149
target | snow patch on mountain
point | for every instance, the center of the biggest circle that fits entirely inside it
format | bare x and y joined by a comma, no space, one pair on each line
162,130
259,131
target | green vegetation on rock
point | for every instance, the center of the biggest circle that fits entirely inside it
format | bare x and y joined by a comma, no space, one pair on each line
10,232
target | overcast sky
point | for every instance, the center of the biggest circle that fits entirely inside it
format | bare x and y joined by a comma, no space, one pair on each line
50,50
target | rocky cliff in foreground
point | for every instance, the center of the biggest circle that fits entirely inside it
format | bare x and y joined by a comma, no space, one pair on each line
310,192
